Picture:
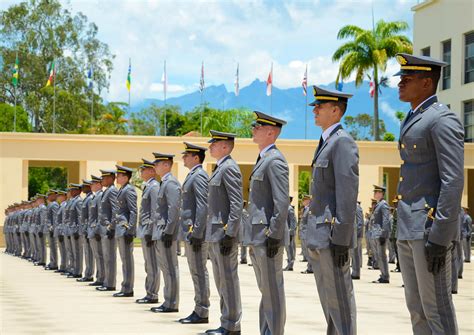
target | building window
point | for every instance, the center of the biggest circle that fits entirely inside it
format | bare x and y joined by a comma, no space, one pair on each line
446,78
469,121
469,58
426,52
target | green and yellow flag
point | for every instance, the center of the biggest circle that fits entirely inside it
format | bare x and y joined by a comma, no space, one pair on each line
15,72
52,73
129,76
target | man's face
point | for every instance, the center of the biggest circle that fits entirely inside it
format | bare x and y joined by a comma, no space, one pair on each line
378,195
260,133
107,181
161,168
324,115
96,186
410,87
190,160
216,149
122,178
52,197
306,202
147,173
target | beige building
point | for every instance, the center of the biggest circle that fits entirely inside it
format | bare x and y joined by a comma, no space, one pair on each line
84,155
444,29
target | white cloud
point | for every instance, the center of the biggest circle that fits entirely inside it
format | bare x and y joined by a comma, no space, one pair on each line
171,88
388,110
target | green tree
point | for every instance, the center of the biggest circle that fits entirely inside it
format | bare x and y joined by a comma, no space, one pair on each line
151,121
40,32
7,115
304,181
389,137
400,115
113,121
361,126
367,53
42,179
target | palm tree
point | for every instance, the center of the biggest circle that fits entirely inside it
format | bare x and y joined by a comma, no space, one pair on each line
367,55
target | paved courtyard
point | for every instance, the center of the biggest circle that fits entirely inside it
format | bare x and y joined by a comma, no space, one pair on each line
35,301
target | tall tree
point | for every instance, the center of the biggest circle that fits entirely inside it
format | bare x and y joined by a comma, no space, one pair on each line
42,31
367,54
361,126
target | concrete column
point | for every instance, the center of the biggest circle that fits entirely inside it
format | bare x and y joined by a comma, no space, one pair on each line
13,172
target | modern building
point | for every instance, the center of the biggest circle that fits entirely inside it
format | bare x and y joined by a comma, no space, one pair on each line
444,29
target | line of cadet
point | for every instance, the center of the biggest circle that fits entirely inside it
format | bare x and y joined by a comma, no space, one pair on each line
425,231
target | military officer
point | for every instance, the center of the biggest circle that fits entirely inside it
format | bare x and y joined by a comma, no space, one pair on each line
52,210
75,223
332,211
303,224
268,216
381,233
356,253
243,247
24,230
431,140
107,210
224,217
67,235
151,188
126,222
58,230
291,247
93,230
165,232
393,234
41,215
83,232
466,231
31,229
193,225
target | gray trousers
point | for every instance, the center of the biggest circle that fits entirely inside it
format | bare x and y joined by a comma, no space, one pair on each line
18,244
356,258
152,269
99,259
62,254
88,257
382,259
168,260
375,254
336,293
26,245
291,251
200,276
41,248
69,254
77,255
225,269
466,245
304,248
34,248
53,251
428,297
128,265
243,252
391,252
109,248
269,274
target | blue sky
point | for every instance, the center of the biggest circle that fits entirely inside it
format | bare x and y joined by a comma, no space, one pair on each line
290,34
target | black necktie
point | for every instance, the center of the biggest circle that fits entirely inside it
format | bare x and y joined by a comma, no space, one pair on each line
214,168
258,159
320,145
410,114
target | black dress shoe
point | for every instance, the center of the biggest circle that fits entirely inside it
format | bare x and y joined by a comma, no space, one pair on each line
146,301
51,268
163,309
74,276
454,292
223,331
84,280
355,277
381,281
460,277
59,271
194,318
307,271
96,283
123,294
104,288
288,268
244,261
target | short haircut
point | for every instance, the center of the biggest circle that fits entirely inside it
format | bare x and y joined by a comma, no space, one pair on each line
433,75
229,143
341,105
200,154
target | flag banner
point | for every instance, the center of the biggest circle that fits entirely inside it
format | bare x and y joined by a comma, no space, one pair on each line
340,86
52,73
15,72
89,78
371,89
305,81
201,82
236,84
269,82
129,76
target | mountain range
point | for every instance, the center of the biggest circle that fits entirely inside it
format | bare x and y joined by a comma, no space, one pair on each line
289,104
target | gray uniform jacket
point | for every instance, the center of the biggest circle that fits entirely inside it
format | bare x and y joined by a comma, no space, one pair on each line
85,214
303,224
58,228
107,208
432,174
52,210
93,226
291,220
75,212
466,225
381,225
334,192
225,201
126,215
268,199
194,203
148,208
167,215
41,222
359,221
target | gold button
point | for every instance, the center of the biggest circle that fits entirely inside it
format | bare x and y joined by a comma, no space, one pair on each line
401,178
250,190
414,146
403,146
399,197
309,212
249,202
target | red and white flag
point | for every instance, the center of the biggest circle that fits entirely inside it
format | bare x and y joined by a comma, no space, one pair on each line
305,81
236,84
270,82
371,89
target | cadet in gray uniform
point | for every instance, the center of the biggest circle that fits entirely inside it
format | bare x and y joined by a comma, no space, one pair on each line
93,230
302,232
107,210
31,229
223,230
381,233
432,141
193,225
52,210
126,224
243,247
67,236
83,232
291,247
58,231
146,219
267,225
24,230
393,234
75,223
466,231
332,211
165,232
356,253
40,227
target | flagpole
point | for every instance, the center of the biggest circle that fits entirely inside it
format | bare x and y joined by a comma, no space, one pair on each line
54,97
14,115
271,93
202,90
306,106
92,105
164,90
129,66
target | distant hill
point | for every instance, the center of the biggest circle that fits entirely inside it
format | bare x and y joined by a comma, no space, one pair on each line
289,104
